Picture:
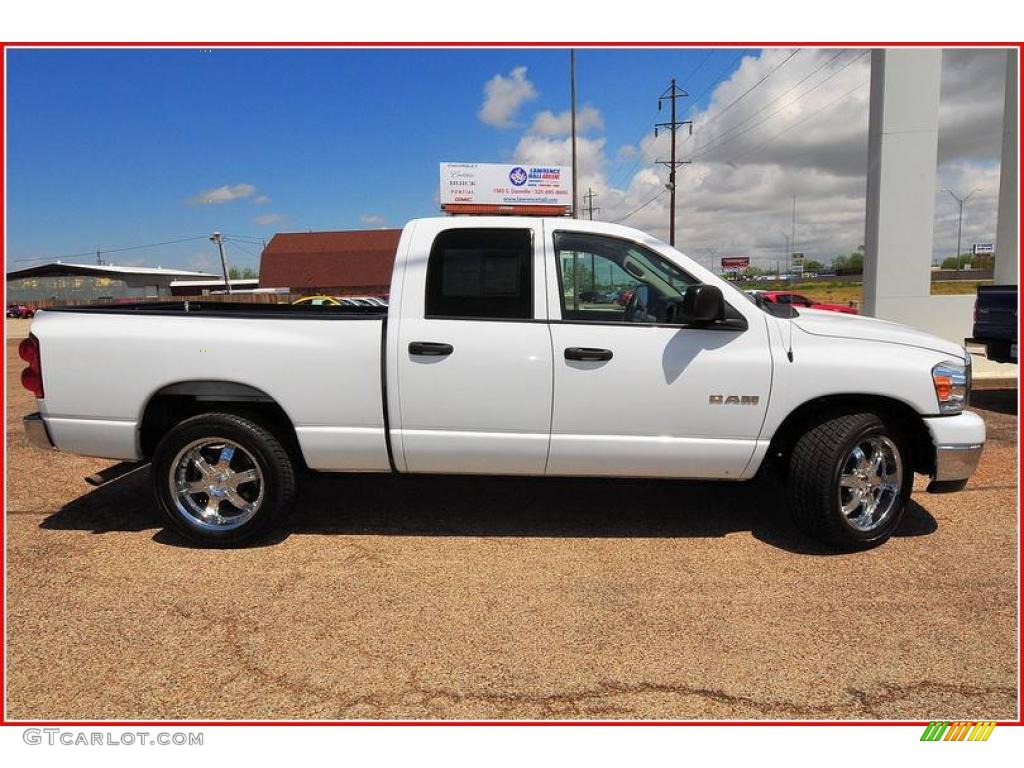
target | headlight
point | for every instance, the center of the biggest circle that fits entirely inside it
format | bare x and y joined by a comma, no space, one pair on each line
952,384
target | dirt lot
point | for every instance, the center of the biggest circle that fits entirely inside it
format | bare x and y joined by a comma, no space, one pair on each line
497,598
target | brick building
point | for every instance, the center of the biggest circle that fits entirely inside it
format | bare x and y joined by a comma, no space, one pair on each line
351,263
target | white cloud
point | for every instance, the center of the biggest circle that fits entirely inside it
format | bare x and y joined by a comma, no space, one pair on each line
547,123
791,135
372,220
261,199
503,96
200,261
268,218
222,194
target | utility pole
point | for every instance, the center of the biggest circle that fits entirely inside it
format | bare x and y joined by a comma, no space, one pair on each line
671,94
589,197
99,257
572,120
960,219
216,237
791,242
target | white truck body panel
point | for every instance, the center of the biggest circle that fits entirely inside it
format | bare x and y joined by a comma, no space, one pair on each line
102,369
486,408
505,400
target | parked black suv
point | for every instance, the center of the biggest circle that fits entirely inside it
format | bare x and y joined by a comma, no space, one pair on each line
995,322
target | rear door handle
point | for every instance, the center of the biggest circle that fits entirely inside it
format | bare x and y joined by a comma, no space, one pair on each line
587,353
430,348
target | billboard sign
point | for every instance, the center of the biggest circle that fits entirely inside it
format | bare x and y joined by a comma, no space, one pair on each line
984,249
500,186
735,263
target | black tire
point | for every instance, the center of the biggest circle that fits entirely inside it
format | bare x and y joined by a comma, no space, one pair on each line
266,498
816,467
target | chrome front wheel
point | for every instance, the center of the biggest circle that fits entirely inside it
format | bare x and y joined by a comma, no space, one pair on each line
871,482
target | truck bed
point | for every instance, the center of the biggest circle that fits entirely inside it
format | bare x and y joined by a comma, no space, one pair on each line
231,309
103,366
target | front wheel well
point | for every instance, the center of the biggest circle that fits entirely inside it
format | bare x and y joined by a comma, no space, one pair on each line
173,404
894,413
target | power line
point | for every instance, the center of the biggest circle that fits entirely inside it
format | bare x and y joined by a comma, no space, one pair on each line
260,240
721,141
718,78
109,250
778,98
243,246
640,208
740,98
796,124
626,171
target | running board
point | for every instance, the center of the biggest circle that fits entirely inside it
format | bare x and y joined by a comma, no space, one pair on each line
115,472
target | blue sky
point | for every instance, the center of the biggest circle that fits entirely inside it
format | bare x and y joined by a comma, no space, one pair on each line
106,147
112,148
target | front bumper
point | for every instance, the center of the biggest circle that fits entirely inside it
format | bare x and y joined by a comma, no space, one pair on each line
959,441
35,429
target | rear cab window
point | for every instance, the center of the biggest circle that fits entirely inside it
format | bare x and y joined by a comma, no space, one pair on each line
481,273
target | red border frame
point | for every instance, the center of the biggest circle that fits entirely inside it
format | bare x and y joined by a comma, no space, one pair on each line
462,44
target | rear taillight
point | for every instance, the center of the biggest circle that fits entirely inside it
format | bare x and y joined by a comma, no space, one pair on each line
31,377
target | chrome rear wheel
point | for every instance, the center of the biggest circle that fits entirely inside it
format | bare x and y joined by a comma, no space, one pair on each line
216,484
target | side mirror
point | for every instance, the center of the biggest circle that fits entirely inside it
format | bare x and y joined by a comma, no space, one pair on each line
701,304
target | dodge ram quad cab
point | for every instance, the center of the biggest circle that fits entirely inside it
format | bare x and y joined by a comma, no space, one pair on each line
488,361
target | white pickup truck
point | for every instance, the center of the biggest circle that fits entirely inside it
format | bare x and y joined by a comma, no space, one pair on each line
497,355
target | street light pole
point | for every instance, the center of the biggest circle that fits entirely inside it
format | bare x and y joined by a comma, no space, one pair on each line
786,255
960,219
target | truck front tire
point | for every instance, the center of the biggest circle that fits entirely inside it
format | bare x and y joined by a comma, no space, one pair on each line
850,478
222,479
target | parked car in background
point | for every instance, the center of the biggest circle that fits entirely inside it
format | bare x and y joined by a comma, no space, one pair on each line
995,322
797,300
365,301
623,297
340,301
20,311
317,301
483,365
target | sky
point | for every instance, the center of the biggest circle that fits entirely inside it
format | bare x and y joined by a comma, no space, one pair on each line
112,149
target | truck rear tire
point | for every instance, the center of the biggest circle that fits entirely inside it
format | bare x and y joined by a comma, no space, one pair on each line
222,479
850,478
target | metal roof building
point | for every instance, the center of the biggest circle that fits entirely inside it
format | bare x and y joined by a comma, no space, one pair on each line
57,281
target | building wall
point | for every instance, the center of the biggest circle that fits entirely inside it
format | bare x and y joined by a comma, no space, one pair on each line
77,288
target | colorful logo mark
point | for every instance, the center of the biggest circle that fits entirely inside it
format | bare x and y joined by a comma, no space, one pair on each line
941,730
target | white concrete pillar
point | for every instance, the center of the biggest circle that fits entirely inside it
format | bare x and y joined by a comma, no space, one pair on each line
903,133
1007,230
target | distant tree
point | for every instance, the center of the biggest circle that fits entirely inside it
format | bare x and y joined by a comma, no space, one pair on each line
949,262
839,263
855,262
234,273
813,266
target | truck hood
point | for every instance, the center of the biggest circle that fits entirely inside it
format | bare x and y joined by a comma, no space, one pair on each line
843,326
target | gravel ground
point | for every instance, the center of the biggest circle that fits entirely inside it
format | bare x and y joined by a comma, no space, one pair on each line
499,598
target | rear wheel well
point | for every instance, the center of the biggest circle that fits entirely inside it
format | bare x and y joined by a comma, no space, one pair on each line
173,404
894,413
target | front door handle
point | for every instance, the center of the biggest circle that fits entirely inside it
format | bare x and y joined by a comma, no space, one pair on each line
587,353
430,348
